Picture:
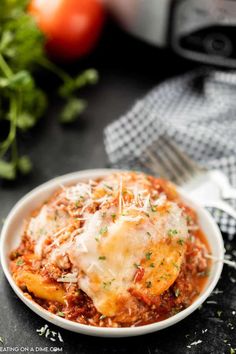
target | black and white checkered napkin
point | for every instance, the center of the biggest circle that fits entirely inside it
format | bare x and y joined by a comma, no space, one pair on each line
196,110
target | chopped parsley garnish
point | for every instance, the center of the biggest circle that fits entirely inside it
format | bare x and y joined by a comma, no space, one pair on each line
165,276
108,187
61,314
181,241
102,258
137,265
19,262
172,232
175,265
107,284
97,239
103,230
153,208
188,219
148,255
152,265
148,284
113,216
191,238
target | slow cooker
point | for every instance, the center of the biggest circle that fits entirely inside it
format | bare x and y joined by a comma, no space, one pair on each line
203,30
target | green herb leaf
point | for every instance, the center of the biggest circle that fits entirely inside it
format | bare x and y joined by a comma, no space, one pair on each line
137,265
108,187
153,208
7,170
172,232
72,110
175,265
25,121
19,262
61,314
188,219
102,258
5,41
148,255
21,80
88,77
106,285
181,241
103,230
24,165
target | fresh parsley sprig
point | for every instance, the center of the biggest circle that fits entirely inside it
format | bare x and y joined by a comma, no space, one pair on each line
22,102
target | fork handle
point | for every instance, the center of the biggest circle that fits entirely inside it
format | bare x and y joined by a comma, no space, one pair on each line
222,206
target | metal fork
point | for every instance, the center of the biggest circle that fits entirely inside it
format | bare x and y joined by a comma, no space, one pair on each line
210,188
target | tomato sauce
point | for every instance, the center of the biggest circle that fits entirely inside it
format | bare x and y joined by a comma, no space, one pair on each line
76,306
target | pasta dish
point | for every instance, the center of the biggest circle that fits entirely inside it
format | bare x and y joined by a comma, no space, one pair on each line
117,251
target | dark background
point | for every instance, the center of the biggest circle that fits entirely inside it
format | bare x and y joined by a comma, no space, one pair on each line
128,70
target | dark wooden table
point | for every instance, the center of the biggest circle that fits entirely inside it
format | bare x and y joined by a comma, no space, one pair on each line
128,69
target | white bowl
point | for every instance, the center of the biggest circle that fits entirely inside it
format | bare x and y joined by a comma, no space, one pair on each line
11,235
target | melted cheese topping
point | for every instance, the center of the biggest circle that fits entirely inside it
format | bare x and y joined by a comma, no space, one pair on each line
108,261
46,223
115,236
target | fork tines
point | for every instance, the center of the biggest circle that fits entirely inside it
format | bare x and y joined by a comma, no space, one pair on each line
166,159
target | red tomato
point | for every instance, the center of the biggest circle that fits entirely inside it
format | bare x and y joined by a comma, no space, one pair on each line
72,27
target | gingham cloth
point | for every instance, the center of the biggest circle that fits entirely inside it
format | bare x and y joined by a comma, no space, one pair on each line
196,110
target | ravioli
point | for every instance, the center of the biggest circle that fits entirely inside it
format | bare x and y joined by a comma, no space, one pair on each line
121,238
136,250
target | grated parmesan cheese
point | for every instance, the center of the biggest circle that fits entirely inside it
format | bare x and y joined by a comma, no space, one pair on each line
68,278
